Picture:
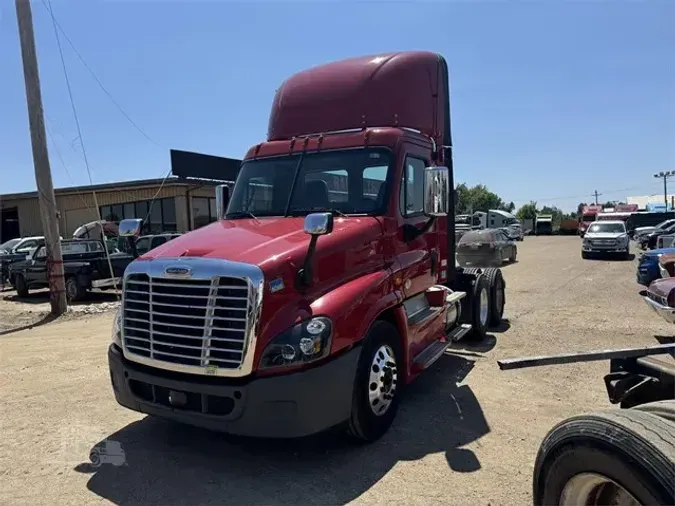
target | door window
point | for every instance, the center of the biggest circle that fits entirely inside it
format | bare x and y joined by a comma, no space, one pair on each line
40,253
411,197
143,245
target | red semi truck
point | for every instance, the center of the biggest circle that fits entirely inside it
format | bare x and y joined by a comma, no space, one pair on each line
329,280
588,216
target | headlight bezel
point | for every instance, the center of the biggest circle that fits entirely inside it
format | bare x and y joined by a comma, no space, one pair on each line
315,332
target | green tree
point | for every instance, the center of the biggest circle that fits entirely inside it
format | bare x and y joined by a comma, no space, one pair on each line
528,211
553,211
477,198
580,208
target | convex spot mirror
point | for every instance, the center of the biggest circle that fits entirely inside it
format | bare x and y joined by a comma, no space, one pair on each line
130,227
319,223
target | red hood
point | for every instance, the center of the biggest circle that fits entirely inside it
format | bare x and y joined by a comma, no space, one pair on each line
264,242
279,247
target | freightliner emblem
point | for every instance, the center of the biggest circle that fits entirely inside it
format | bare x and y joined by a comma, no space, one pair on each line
178,271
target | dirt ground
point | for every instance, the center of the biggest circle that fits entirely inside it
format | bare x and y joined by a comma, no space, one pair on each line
18,313
466,433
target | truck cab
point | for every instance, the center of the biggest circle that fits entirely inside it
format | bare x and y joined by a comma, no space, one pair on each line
329,280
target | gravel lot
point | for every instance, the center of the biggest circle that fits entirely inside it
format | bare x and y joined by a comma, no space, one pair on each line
466,432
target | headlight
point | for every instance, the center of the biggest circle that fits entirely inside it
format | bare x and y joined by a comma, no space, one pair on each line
305,342
117,328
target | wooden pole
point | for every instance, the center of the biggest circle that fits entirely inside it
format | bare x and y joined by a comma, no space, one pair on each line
43,175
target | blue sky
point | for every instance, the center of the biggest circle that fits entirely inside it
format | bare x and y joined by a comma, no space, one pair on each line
550,100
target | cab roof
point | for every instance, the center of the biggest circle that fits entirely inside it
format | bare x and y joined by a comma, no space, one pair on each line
402,89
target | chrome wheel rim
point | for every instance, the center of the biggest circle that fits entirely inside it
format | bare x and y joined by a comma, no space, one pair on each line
484,307
382,380
591,489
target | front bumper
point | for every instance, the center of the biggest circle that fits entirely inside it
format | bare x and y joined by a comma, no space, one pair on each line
287,406
666,312
599,249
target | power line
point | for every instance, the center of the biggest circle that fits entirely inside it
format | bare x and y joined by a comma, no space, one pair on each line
57,27
84,151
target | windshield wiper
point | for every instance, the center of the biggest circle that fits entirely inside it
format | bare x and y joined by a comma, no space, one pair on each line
240,214
294,212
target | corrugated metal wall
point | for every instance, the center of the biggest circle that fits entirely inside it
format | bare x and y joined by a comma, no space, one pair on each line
77,209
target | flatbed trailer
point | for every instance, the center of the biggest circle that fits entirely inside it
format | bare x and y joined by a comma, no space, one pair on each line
624,456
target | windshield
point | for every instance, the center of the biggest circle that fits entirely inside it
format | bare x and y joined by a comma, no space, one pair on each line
346,181
607,228
663,224
7,246
588,217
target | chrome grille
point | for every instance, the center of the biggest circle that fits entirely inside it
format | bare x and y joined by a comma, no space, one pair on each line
190,322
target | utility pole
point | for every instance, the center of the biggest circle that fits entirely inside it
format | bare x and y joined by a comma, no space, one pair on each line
665,175
43,174
596,195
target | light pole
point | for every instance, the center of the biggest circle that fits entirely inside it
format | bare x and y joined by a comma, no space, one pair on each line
665,175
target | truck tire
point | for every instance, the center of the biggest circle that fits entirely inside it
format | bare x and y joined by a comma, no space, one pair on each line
74,290
376,393
515,254
480,308
584,255
21,285
592,459
664,409
497,295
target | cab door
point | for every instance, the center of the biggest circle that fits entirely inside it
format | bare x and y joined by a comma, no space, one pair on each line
417,253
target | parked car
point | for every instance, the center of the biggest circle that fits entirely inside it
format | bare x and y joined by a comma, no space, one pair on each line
85,267
482,248
648,265
605,238
15,250
660,296
643,231
649,241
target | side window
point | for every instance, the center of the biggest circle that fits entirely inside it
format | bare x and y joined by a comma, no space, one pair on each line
156,241
411,197
143,245
27,245
41,253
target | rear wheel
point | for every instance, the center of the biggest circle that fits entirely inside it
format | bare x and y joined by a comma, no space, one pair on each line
480,308
591,459
21,285
74,290
497,292
376,392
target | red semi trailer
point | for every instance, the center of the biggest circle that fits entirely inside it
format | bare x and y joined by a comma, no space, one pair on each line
329,280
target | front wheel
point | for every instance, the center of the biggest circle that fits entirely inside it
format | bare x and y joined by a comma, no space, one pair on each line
21,285
377,385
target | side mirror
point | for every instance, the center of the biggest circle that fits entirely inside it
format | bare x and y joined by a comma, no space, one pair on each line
130,227
436,188
222,200
319,223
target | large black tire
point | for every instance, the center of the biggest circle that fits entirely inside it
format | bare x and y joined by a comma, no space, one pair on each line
74,290
514,256
584,255
632,448
364,424
497,286
21,285
480,318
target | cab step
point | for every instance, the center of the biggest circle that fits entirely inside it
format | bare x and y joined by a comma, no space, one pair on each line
436,349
